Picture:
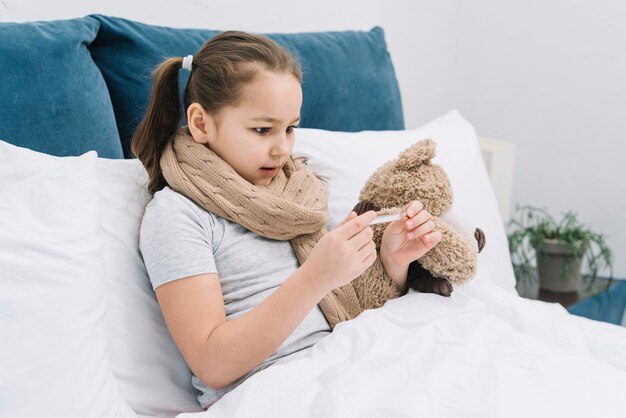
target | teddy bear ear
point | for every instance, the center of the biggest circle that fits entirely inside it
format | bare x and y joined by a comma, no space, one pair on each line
421,152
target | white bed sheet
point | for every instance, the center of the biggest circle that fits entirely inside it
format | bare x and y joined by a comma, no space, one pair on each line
483,352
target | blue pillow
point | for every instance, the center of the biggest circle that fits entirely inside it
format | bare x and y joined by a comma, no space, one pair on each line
53,98
349,83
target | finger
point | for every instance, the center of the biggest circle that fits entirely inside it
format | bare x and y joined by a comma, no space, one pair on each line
362,238
370,258
413,208
355,225
431,239
423,229
367,248
421,218
351,215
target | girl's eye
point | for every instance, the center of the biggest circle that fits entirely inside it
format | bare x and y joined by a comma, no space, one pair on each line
262,131
291,128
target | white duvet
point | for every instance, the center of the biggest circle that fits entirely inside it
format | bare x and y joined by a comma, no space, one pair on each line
482,352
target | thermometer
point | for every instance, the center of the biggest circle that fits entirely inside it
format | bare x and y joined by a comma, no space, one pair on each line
386,218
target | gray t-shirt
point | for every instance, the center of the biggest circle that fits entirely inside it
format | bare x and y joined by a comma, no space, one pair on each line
179,239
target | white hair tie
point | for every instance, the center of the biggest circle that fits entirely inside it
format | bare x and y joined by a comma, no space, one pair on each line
187,61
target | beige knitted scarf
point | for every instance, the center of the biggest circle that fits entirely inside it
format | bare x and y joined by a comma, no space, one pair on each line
293,207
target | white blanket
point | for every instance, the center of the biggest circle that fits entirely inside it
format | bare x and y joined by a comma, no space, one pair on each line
482,352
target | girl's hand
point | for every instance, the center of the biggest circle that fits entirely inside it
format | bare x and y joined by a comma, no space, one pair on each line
409,238
343,253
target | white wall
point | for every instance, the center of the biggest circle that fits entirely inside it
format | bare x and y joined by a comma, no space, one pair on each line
551,76
548,75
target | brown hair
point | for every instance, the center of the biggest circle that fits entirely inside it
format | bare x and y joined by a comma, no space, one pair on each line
220,68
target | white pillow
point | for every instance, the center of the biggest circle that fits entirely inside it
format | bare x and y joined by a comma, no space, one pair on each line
53,358
150,372
349,158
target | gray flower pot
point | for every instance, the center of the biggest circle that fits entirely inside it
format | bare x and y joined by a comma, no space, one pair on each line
552,261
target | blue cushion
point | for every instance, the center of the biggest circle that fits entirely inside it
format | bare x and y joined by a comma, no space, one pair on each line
349,82
53,98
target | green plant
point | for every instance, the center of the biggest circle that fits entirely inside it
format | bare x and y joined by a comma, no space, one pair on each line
533,226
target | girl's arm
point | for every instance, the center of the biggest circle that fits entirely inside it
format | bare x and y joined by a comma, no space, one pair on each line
220,351
396,272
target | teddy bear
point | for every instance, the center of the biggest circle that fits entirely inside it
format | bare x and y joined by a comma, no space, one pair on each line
413,176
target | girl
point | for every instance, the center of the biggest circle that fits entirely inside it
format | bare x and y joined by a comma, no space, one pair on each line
233,239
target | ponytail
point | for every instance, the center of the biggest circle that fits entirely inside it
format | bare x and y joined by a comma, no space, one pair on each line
160,122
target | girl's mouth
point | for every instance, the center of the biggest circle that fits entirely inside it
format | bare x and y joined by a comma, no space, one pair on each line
269,171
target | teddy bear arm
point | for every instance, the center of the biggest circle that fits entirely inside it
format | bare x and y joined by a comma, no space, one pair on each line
453,258
422,280
465,228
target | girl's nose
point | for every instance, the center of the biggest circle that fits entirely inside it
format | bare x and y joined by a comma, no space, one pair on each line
282,145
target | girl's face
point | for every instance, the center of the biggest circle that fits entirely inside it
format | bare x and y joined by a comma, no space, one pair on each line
256,136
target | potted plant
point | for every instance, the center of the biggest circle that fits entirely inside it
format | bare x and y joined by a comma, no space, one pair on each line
558,249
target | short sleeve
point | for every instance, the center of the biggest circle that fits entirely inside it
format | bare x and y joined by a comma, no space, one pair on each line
174,241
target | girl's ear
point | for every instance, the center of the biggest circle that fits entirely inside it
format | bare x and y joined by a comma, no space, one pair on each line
200,123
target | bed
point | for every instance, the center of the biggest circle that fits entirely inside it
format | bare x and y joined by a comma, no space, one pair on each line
82,334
